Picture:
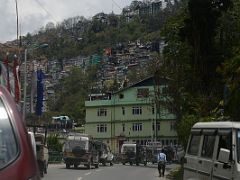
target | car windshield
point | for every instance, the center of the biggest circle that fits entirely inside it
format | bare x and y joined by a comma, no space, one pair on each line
8,145
128,149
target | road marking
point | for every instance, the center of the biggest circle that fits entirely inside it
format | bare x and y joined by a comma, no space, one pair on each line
99,170
86,174
80,178
55,165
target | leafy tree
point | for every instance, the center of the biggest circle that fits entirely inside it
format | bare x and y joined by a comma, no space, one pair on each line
231,74
53,143
184,128
200,30
72,92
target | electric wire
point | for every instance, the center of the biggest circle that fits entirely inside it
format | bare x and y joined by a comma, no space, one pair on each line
53,18
116,4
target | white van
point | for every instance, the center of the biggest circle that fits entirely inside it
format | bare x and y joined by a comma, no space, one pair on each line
213,151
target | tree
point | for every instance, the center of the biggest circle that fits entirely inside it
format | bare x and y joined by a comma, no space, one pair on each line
184,128
72,93
231,73
199,31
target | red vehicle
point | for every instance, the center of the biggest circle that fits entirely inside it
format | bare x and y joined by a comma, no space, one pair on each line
17,160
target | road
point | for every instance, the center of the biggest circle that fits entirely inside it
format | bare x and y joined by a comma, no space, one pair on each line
115,172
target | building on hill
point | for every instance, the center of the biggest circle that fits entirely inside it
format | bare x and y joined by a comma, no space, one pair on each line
131,115
147,7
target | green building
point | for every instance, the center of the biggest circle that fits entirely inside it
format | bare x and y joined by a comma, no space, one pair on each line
131,115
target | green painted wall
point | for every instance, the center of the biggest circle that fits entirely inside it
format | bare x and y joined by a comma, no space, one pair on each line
115,118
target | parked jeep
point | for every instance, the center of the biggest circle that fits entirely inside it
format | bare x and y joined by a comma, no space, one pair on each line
80,149
133,154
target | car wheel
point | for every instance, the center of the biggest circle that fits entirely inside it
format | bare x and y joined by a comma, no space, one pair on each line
67,166
123,163
88,166
75,165
131,163
111,164
96,165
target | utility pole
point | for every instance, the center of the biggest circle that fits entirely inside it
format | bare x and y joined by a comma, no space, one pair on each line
25,78
25,85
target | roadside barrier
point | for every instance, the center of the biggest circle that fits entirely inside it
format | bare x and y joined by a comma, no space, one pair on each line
55,157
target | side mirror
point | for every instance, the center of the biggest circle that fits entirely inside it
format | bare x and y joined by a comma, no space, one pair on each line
224,155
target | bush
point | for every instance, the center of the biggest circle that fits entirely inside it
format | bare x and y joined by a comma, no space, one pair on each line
176,175
53,143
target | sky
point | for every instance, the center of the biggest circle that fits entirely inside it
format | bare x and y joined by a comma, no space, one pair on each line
34,14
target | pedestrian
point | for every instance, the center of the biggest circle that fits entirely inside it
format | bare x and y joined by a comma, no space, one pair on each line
161,163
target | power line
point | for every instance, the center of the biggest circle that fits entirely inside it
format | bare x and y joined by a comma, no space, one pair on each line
116,4
46,11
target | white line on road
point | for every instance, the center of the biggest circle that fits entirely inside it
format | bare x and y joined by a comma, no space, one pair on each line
86,174
99,170
80,178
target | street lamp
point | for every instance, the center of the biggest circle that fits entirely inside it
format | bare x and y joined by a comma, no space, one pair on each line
25,76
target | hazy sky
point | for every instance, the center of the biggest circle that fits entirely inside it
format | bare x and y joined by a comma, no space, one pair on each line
34,14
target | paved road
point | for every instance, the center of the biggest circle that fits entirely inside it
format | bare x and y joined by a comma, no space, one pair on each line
115,172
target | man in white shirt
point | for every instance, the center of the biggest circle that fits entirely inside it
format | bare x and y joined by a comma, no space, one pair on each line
161,163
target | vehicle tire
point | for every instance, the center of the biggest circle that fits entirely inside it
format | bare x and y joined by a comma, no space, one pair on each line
131,163
96,165
75,165
67,166
182,160
88,166
123,163
111,163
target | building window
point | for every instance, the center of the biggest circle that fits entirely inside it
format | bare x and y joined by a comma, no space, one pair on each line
102,112
173,126
137,127
158,126
102,128
171,110
123,110
167,142
153,109
143,93
121,96
136,110
123,127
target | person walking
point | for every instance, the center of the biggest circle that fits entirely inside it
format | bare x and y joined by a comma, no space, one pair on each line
162,159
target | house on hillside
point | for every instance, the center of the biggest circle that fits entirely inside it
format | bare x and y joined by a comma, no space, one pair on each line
131,115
